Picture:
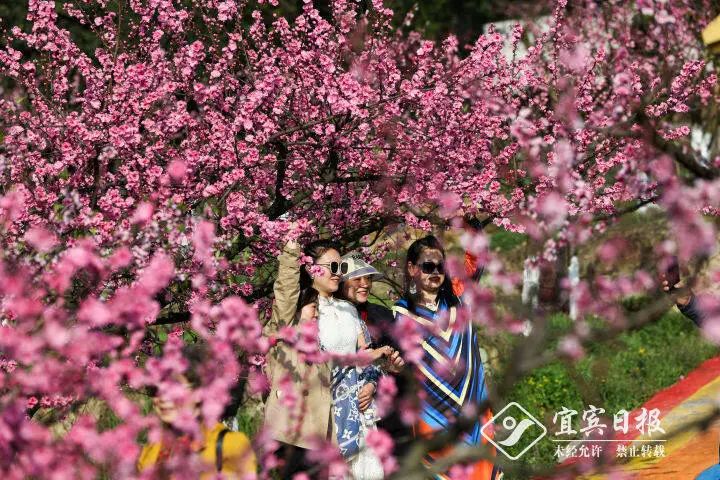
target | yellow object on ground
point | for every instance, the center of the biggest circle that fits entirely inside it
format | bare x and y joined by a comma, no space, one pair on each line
238,458
711,35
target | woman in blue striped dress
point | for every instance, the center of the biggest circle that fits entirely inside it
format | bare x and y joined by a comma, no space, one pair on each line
451,370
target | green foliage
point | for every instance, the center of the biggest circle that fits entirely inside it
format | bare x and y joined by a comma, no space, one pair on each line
463,18
503,241
622,374
636,303
249,420
640,233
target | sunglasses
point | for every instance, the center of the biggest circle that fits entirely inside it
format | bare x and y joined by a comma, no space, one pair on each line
432,267
335,267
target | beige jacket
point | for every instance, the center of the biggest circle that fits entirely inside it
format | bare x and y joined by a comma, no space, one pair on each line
310,416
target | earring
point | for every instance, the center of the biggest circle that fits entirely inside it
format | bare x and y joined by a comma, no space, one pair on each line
413,289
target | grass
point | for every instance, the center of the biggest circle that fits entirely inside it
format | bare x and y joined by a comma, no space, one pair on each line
622,374
504,241
249,419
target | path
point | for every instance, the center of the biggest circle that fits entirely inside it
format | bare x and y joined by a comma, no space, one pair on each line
688,453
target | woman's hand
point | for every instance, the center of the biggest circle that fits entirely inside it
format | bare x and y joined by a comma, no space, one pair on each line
681,300
378,353
291,236
365,395
672,280
394,363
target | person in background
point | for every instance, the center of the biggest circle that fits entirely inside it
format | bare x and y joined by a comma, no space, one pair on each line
688,305
430,301
357,282
224,451
686,301
295,427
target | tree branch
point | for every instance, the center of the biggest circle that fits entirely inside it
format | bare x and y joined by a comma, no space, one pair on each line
626,210
280,204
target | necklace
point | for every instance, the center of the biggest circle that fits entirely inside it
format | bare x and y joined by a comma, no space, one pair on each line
430,304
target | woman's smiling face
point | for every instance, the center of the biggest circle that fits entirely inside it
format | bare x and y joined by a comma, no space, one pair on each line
324,281
357,289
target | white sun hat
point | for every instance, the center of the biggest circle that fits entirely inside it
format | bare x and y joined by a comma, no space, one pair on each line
357,267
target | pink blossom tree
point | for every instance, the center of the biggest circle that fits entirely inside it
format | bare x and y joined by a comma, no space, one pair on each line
152,181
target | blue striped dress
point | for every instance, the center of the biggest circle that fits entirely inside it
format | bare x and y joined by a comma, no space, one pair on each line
452,375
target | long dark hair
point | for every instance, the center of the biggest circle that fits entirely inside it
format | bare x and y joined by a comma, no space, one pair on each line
413,254
315,250
307,296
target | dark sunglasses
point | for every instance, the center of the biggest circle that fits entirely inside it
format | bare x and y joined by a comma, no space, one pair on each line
335,267
432,267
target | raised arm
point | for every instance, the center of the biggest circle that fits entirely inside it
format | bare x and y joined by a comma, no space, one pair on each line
686,302
691,310
286,287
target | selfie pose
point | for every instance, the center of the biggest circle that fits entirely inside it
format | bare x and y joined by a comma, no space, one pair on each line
295,426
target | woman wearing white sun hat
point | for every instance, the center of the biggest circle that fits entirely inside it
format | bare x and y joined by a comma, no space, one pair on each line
357,281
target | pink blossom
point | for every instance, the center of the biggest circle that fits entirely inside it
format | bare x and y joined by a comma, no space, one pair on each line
121,258
449,203
41,239
382,444
258,382
553,208
577,58
203,239
307,341
328,455
571,346
157,274
287,393
316,271
385,394
408,334
177,170
155,181
143,213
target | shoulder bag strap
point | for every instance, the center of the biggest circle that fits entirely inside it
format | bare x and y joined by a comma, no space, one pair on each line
219,448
